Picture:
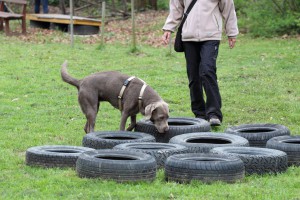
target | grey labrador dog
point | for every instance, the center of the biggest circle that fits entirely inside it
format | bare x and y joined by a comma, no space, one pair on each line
106,86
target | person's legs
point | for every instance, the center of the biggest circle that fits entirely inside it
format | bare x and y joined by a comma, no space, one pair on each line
45,6
208,74
37,4
192,56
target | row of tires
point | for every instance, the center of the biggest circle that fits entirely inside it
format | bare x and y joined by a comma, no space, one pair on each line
186,152
139,161
196,142
256,134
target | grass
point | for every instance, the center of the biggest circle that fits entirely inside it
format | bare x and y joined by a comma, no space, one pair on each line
259,82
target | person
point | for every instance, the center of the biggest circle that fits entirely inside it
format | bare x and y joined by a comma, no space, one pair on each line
37,4
201,35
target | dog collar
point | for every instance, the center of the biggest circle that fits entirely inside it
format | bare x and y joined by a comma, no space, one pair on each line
125,84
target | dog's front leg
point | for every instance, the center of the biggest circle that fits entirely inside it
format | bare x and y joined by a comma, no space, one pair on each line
132,123
124,118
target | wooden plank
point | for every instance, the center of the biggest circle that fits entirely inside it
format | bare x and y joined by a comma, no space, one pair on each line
63,19
10,15
15,1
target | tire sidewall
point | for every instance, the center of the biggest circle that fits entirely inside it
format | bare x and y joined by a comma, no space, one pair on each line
258,138
193,125
160,151
206,147
99,140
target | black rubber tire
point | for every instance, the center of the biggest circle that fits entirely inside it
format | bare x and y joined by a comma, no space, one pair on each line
177,126
109,139
204,142
160,151
257,160
258,134
54,155
290,145
207,168
121,166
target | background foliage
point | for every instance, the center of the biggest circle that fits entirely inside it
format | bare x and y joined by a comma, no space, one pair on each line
269,18
266,18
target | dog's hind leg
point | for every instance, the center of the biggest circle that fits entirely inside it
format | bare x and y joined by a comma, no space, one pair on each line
90,114
89,107
132,123
90,123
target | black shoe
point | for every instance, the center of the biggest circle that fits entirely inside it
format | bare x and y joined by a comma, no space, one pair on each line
215,121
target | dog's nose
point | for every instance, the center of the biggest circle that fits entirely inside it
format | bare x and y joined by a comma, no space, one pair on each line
166,129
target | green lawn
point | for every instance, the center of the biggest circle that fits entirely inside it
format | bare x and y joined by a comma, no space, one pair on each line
259,82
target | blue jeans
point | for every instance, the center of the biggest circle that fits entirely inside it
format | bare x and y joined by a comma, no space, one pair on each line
37,4
201,60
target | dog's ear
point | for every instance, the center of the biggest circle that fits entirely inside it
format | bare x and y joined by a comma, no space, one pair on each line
166,107
149,109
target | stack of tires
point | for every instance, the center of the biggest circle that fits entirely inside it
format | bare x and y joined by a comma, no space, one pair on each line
187,152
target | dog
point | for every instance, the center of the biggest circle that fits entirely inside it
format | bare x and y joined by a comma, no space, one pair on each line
108,86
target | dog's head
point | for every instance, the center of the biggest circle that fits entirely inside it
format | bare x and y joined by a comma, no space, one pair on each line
158,113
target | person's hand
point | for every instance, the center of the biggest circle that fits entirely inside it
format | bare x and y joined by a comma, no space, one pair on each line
231,42
166,37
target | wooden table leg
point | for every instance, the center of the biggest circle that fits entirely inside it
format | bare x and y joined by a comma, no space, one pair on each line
6,26
23,26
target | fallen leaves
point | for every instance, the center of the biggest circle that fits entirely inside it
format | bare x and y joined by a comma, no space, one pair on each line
148,31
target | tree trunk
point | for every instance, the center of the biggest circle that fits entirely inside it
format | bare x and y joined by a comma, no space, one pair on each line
62,7
153,4
141,4
113,8
125,8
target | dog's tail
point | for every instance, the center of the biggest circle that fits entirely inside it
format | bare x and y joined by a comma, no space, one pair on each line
66,77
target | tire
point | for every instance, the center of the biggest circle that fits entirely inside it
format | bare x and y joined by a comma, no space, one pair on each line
121,166
160,151
54,155
109,139
177,126
290,145
204,142
257,160
258,134
207,168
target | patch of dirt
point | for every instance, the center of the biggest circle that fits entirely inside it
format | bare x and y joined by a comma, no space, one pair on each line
148,31
148,28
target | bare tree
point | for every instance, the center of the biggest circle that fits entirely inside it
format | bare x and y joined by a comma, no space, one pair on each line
62,6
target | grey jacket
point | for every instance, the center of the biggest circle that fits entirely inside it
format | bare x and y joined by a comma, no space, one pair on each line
204,22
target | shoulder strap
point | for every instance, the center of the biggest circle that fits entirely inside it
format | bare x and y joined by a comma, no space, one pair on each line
186,13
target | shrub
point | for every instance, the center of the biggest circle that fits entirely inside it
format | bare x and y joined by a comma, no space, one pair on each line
163,4
269,18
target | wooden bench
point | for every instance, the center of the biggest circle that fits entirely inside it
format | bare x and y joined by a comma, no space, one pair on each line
7,16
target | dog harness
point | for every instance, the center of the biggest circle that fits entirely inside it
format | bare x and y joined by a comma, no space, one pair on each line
125,84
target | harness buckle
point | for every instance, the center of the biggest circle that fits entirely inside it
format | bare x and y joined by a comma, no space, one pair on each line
126,82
